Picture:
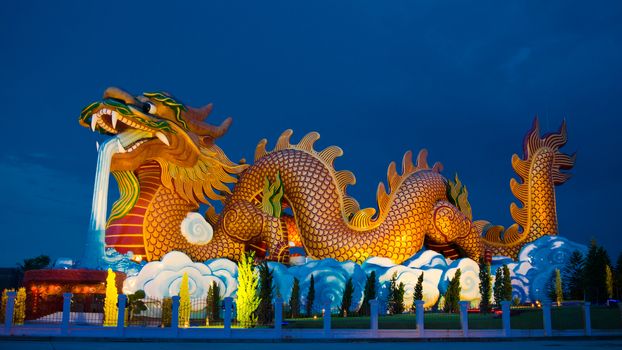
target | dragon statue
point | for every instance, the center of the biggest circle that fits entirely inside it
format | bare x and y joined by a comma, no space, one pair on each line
169,164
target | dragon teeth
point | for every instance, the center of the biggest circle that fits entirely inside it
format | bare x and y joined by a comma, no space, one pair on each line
94,122
163,138
114,118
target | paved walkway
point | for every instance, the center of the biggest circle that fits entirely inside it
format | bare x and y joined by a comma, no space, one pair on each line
512,344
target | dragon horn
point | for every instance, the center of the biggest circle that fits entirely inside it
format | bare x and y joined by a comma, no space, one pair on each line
204,129
199,113
196,117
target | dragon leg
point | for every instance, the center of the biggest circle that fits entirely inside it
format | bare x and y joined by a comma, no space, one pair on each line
244,222
450,225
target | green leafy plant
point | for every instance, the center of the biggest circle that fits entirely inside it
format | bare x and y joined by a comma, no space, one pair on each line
167,311
346,301
310,297
485,287
294,300
369,293
452,295
264,310
184,301
135,303
213,303
247,298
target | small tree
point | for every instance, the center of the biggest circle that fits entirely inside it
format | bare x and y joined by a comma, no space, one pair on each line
167,311
418,295
369,293
392,291
248,301
135,303
36,263
398,299
213,303
294,300
184,301
264,311
110,301
346,300
573,276
507,284
485,287
595,280
19,313
497,289
452,295
559,292
618,277
310,297
609,281
5,298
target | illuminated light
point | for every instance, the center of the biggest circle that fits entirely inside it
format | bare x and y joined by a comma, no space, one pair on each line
138,258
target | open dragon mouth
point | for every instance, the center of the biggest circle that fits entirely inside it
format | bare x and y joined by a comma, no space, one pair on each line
131,134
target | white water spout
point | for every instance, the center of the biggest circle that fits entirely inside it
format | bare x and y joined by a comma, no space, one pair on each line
94,249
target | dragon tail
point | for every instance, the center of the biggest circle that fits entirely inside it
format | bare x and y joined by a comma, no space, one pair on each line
539,171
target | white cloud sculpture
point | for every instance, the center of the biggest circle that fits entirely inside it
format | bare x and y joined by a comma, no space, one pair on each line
161,279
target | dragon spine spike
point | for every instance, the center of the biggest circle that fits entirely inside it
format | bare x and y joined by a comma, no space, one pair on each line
350,206
520,191
307,142
437,167
283,141
422,159
260,150
344,178
330,153
407,162
363,218
518,214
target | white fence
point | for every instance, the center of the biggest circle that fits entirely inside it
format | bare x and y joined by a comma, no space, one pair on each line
68,328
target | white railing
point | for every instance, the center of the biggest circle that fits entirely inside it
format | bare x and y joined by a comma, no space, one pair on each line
66,328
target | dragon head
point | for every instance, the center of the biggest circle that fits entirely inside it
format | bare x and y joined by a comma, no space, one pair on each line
156,127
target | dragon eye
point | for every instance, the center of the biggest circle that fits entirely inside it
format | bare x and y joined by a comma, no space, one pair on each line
149,107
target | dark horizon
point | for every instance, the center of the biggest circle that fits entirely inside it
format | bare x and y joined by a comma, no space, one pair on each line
463,81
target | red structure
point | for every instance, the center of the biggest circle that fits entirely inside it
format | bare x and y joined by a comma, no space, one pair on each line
45,290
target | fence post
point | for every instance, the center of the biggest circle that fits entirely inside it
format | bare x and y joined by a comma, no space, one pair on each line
373,315
121,302
505,316
546,318
64,323
419,315
228,315
8,312
464,317
587,318
278,316
327,319
175,315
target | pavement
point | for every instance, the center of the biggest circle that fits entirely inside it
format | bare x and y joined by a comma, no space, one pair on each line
21,343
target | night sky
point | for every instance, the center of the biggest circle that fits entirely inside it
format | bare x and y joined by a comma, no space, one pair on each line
463,80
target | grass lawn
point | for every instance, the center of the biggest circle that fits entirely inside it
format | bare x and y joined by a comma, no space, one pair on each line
527,318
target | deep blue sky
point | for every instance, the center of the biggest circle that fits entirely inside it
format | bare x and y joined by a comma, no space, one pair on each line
376,78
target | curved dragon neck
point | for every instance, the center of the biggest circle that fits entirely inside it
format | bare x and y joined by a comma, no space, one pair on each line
540,171
152,226
541,210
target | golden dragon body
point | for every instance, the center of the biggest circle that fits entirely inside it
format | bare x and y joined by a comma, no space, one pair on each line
174,165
